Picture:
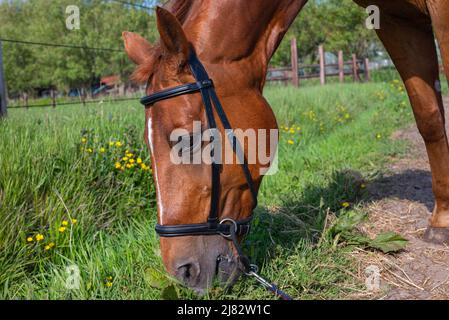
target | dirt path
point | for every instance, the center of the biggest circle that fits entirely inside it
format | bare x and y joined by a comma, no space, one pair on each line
402,201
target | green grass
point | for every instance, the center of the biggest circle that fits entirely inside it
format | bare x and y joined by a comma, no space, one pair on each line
47,176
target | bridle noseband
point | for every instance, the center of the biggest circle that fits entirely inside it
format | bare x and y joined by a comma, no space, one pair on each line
226,227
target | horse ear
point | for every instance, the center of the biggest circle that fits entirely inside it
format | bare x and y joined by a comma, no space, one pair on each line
137,48
173,37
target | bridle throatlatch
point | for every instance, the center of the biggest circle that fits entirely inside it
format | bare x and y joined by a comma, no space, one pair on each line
226,227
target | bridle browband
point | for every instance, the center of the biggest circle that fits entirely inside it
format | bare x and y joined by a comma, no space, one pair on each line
226,227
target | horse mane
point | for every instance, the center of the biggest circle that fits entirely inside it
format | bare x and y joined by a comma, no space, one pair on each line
180,8
143,72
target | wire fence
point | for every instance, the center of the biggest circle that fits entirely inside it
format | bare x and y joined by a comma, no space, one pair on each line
99,101
73,46
58,45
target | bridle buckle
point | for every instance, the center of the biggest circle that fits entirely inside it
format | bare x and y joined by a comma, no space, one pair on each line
234,223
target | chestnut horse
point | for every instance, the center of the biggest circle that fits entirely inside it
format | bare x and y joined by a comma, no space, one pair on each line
235,40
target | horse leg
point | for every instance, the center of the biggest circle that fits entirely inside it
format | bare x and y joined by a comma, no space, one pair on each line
412,49
439,13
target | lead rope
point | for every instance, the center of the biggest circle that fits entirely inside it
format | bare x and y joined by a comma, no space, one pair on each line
252,270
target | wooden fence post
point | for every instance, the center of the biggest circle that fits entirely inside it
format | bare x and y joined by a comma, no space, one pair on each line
83,97
367,70
25,100
355,73
341,66
53,97
3,98
294,58
322,65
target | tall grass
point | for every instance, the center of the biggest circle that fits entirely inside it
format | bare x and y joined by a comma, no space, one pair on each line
59,171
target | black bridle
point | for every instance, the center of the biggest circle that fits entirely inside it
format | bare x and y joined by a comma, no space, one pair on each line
226,227
213,226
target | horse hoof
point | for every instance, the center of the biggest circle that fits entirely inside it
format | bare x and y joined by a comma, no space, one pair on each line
437,235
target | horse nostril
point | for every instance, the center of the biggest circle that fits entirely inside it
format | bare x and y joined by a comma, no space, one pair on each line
188,272
185,271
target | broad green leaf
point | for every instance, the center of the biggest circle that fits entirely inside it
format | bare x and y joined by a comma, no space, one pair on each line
348,221
388,242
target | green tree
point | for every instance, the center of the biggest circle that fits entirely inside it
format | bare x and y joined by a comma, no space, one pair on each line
17,59
101,25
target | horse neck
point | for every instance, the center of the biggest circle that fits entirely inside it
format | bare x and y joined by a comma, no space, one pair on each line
237,38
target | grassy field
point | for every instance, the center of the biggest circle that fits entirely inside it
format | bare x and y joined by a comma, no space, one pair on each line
65,201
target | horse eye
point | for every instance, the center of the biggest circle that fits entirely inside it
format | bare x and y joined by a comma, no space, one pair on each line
189,143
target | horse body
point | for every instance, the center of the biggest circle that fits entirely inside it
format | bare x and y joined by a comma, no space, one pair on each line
408,29
235,40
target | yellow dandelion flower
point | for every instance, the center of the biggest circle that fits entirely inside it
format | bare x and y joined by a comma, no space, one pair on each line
379,136
118,144
125,158
109,284
64,223
89,150
47,247
61,229
51,244
102,150
132,161
111,144
84,140
118,165
345,204
74,221
292,130
291,142
109,278
129,155
139,161
39,237
30,239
